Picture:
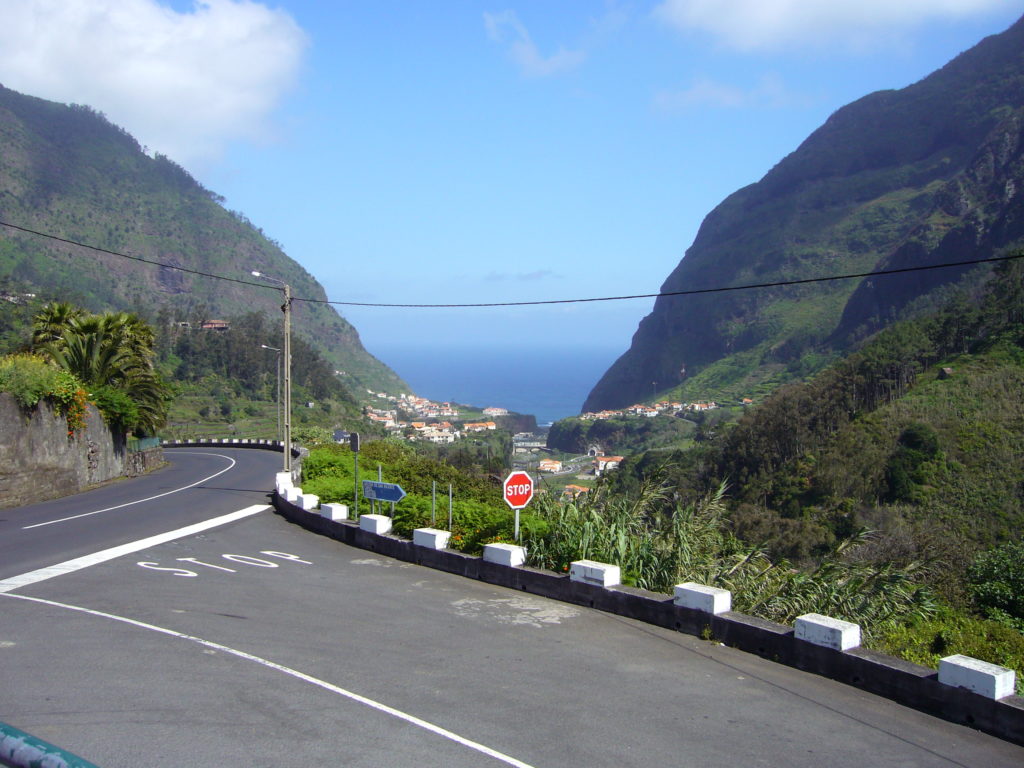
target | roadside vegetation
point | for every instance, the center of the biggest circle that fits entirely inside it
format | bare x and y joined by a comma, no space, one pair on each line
75,357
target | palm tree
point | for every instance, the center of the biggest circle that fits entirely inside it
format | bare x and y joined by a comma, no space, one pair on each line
53,320
112,351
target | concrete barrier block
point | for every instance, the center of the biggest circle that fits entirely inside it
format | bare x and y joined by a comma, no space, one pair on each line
309,500
292,494
827,632
702,598
505,554
985,679
431,538
593,572
282,480
379,524
334,511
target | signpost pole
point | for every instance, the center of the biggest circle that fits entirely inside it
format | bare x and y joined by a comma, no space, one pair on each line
449,506
354,444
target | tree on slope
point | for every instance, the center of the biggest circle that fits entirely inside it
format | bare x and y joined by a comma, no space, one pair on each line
112,354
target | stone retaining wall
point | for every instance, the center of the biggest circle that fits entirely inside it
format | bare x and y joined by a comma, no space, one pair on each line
38,461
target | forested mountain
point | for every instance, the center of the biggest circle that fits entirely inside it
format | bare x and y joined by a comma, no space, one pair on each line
919,434
67,171
932,173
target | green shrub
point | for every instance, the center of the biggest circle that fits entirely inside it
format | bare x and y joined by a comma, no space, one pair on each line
31,378
118,409
996,580
926,641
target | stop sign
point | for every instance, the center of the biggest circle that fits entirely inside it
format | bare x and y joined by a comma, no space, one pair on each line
518,490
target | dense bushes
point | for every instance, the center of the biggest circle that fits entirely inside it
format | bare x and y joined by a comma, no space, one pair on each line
31,378
997,584
479,516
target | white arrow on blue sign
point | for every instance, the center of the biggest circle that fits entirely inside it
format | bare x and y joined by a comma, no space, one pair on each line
374,489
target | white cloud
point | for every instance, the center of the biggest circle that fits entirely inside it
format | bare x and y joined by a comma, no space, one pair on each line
773,24
770,92
183,83
506,29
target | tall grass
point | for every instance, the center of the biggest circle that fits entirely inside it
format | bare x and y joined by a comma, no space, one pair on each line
657,549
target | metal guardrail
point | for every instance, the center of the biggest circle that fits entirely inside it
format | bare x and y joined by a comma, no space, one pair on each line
136,444
22,750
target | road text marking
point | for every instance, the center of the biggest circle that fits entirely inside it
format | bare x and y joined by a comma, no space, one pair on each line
109,554
259,562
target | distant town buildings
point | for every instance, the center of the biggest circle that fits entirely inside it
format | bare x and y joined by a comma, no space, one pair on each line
604,463
660,408
417,418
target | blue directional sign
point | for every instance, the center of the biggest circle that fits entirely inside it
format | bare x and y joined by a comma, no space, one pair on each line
374,489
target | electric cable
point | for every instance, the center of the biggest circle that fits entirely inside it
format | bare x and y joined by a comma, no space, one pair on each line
661,294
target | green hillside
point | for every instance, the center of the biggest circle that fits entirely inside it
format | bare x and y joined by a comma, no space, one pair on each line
68,172
919,434
925,175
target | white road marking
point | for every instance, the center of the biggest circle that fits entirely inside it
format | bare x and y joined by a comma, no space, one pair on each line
210,645
134,546
140,501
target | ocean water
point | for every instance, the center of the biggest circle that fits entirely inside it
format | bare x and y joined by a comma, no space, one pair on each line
549,383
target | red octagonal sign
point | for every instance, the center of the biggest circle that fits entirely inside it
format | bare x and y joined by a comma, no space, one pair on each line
518,490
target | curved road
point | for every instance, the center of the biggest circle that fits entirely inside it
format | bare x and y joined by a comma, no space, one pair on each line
257,643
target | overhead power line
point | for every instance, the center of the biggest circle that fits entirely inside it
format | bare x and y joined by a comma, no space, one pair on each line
689,292
133,258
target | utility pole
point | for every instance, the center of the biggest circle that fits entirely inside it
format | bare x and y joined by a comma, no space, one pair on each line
287,354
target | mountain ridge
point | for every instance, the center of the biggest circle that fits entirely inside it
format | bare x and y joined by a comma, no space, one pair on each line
890,169
68,172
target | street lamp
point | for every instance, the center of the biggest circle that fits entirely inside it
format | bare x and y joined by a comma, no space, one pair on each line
287,309
275,349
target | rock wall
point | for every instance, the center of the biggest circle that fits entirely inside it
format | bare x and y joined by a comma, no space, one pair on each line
38,460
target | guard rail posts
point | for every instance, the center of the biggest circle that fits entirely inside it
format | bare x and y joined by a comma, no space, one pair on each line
818,644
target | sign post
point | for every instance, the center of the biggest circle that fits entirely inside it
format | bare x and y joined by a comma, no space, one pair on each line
518,491
353,441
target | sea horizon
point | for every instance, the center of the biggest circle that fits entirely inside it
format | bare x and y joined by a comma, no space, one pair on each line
546,382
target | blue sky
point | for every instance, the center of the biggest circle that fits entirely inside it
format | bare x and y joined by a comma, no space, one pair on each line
480,150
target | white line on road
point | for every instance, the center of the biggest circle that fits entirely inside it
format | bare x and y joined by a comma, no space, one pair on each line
140,501
411,719
109,554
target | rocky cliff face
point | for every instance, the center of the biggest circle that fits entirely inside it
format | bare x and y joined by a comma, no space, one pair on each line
928,174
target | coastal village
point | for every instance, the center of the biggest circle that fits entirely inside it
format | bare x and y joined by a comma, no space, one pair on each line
414,418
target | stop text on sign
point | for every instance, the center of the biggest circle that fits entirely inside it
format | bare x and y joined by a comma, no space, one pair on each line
518,490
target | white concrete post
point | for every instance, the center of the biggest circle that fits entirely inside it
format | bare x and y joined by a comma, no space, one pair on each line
431,538
334,511
505,554
379,524
699,597
828,632
988,680
593,572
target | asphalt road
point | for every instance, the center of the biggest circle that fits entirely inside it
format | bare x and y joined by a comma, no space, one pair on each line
257,643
